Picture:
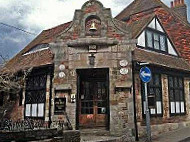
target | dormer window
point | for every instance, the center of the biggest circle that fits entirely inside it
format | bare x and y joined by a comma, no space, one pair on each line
156,40
37,48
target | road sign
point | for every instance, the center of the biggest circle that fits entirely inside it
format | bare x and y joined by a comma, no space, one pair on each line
145,74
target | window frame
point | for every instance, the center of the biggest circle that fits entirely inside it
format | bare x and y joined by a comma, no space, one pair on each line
179,89
36,90
159,33
154,86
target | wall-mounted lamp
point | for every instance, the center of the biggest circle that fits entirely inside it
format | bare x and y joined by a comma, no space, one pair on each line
91,59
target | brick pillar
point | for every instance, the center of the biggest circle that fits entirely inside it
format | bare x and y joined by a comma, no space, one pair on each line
165,96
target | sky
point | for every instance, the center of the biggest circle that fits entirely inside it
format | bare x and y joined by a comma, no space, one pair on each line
37,15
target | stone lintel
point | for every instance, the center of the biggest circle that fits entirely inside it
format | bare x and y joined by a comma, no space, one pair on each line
92,41
63,87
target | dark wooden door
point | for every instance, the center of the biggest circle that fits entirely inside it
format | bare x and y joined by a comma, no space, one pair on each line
93,103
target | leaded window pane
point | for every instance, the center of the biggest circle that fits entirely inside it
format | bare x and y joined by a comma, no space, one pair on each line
180,82
175,82
181,95
42,81
157,80
162,43
149,39
28,97
170,81
156,41
29,84
177,98
158,94
36,82
171,95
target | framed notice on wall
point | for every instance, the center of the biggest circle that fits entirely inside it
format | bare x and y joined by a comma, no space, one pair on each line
60,105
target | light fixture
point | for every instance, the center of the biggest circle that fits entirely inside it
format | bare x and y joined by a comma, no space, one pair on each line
91,59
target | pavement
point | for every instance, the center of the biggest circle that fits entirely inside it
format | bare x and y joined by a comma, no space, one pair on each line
180,135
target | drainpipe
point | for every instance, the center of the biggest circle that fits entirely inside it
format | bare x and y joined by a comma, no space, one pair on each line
134,101
50,97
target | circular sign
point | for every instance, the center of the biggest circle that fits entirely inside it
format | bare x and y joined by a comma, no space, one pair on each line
62,75
62,67
124,71
145,74
123,63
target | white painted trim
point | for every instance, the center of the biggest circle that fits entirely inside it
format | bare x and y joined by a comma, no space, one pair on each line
31,52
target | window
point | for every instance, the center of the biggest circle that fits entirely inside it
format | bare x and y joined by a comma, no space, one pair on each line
156,40
154,90
35,96
176,95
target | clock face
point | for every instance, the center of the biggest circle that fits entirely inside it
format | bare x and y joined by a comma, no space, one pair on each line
92,23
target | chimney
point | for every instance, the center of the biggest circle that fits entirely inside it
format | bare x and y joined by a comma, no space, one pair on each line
180,7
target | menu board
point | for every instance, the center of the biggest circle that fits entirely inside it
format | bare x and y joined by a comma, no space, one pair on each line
60,105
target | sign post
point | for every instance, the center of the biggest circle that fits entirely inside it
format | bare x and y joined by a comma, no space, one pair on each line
145,75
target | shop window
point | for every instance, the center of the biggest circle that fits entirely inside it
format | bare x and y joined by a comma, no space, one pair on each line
35,96
156,40
176,95
154,90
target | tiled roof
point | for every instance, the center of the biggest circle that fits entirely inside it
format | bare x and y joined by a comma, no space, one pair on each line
138,6
159,59
44,57
176,27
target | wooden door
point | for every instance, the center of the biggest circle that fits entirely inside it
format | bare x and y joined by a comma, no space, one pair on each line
93,103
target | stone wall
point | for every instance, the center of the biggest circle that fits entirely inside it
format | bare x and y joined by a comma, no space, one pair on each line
40,135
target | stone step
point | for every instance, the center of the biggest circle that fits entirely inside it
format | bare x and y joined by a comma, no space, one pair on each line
95,132
92,138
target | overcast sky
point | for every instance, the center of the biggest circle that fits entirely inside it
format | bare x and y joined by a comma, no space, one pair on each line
37,15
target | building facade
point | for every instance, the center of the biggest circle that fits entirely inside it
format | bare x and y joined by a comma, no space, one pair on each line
86,71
